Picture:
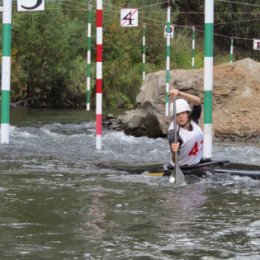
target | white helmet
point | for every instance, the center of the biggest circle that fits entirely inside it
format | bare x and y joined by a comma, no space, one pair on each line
181,106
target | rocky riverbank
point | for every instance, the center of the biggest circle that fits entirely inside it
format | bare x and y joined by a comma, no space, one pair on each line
236,101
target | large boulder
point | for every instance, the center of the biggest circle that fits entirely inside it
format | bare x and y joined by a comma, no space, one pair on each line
236,101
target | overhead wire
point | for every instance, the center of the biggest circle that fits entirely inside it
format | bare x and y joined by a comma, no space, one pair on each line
239,3
139,8
190,26
155,22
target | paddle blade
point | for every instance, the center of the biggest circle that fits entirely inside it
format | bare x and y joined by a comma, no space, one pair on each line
172,179
179,176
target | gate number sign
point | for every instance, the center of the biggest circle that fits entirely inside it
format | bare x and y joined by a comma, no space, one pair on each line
256,44
129,17
30,5
171,32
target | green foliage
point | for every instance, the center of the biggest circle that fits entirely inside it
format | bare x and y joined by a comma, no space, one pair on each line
181,51
49,48
238,19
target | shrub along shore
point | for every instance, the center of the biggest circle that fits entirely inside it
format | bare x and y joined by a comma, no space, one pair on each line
49,48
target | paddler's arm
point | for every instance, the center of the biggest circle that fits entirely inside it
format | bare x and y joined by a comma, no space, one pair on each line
174,148
189,97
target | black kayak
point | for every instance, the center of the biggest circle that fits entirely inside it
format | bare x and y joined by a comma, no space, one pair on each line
219,167
201,169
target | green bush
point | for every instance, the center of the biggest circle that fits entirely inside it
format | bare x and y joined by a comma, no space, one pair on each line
49,49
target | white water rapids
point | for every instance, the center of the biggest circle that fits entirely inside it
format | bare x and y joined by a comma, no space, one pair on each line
56,204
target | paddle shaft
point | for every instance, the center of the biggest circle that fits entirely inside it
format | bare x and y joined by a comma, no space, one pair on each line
179,176
175,135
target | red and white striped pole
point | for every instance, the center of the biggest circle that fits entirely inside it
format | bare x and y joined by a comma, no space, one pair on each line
99,48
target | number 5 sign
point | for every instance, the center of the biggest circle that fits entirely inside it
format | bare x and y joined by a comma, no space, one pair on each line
30,5
129,17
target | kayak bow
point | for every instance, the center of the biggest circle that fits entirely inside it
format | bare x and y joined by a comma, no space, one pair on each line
215,167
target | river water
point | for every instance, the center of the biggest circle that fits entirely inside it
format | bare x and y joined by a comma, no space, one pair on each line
57,204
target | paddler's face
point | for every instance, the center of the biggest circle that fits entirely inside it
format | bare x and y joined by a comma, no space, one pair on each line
182,118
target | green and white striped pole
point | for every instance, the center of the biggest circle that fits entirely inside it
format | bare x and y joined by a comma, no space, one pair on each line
168,54
231,51
6,71
143,52
88,94
208,77
193,47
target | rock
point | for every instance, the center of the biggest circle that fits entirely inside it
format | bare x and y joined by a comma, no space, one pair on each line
236,96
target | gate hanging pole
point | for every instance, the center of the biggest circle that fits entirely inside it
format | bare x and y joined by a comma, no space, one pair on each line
231,50
6,71
99,48
193,47
208,77
88,94
143,51
168,50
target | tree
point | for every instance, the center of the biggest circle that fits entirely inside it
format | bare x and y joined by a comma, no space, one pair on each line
47,45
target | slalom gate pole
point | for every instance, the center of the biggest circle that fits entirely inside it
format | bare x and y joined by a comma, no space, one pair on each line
143,52
208,77
193,48
6,70
231,50
88,80
99,48
168,51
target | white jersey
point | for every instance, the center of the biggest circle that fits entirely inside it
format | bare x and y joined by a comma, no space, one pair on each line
191,150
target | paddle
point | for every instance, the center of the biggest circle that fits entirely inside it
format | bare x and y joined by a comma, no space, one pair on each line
179,176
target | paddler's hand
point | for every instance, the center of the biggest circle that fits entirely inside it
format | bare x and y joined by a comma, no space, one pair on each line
174,93
175,147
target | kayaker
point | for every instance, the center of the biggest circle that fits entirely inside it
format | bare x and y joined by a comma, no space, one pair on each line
189,134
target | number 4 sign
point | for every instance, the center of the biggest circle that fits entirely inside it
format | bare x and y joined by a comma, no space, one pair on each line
129,17
30,5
